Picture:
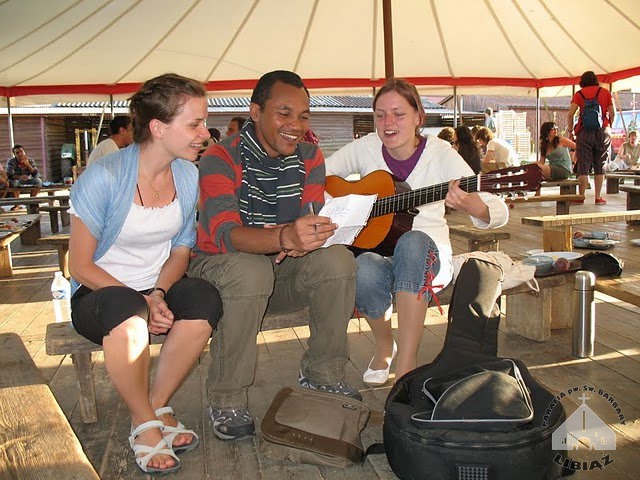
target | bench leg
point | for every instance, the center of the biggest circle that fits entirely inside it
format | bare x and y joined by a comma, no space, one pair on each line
562,208
613,185
568,189
6,266
633,203
63,259
87,392
534,314
32,234
529,315
53,219
557,239
65,218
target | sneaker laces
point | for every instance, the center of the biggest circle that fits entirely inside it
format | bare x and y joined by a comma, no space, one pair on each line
341,388
224,416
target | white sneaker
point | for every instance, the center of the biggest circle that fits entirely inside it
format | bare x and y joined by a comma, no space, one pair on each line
379,377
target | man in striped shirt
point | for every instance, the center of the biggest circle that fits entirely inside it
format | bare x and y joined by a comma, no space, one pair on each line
259,243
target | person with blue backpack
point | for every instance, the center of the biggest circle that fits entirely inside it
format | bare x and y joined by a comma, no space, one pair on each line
592,132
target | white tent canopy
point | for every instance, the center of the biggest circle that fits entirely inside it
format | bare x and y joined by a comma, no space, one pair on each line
75,49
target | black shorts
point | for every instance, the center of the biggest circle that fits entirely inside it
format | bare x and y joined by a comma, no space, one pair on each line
95,313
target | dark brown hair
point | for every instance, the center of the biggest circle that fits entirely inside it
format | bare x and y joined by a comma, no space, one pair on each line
589,79
161,98
545,129
468,148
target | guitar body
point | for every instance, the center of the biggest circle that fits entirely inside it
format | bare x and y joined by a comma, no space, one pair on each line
393,211
381,233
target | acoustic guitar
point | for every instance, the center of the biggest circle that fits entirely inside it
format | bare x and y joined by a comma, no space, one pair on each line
393,211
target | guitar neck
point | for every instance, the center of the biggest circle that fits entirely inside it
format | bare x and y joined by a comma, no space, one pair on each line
422,196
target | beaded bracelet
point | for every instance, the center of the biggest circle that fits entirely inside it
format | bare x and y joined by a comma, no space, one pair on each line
281,238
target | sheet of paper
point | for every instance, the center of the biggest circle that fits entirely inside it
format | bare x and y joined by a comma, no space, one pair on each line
351,213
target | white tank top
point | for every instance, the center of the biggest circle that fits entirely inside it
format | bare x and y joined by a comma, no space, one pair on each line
143,245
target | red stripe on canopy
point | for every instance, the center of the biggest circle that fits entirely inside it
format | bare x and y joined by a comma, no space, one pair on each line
248,84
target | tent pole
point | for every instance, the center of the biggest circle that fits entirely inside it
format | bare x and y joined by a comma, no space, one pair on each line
111,103
455,106
94,142
537,129
388,38
10,122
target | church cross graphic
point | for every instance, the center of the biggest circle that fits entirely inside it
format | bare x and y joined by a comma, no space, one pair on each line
583,429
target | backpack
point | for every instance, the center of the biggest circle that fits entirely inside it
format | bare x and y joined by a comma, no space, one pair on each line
471,414
591,112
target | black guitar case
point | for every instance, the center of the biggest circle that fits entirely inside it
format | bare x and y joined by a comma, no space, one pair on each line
419,445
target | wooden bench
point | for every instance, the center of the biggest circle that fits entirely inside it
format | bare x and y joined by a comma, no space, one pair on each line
28,231
625,287
33,203
62,339
50,190
563,202
614,180
567,187
529,313
53,211
557,230
633,199
534,314
61,242
479,239
37,441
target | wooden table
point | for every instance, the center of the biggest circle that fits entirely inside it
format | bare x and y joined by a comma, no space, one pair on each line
557,230
51,190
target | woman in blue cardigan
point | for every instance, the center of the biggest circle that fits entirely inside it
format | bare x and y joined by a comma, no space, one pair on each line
132,229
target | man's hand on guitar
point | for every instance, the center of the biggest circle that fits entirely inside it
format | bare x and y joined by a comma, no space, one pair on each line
306,234
469,203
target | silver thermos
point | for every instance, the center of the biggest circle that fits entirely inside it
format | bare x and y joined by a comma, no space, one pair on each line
584,324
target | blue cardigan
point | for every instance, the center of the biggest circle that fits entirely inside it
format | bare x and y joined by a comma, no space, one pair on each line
103,195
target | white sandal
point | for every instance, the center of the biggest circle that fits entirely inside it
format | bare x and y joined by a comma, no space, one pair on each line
379,377
170,433
161,448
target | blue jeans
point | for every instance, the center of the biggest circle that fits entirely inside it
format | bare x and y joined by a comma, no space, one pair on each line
33,181
414,263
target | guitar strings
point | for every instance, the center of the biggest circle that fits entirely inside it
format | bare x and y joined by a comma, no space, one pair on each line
421,196
432,193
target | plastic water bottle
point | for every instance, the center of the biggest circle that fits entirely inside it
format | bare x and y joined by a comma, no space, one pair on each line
61,293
